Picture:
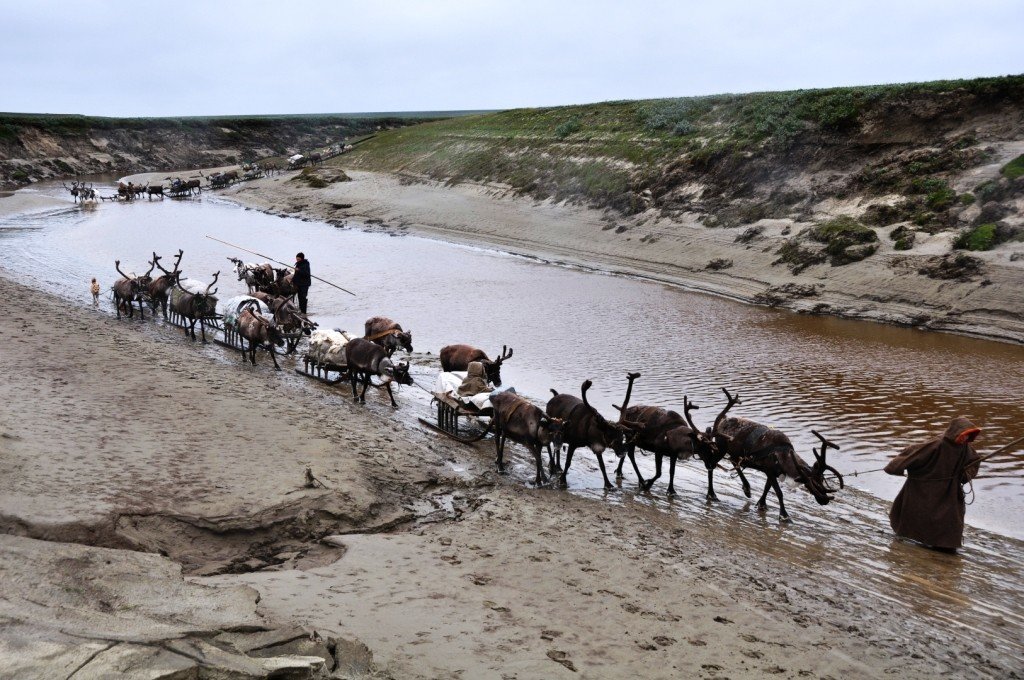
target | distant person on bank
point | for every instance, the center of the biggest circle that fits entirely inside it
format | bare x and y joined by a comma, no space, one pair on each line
930,508
302,279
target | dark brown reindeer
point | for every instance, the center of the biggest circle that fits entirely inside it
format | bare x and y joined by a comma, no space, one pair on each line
748,444
458,358
366,359
585,426
159,289
259,332
194,307
257,277
157,190
388,334
130,289
666,433
517,419
283,285
288,317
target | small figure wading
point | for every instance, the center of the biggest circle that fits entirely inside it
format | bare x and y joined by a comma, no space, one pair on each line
930,508
95,290
302,280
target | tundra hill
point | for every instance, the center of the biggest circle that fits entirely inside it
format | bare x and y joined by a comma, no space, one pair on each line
44,146
875,156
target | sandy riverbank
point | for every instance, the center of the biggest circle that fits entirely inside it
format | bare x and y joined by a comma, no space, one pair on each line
134,440
885,287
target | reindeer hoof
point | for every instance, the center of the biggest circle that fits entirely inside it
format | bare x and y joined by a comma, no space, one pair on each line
762,507
784,518
712,497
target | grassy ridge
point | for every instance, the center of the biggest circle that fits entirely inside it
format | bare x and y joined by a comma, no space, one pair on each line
607,154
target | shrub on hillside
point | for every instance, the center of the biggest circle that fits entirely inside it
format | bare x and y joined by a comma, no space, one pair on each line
1014,168
846,240
567,128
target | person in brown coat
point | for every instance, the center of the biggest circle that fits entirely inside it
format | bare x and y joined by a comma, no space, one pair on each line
930,507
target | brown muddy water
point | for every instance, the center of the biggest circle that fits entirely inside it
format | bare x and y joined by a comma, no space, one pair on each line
871,388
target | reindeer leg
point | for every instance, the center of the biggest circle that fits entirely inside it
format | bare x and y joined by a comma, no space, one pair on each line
366,383
498,450
632,459
202,329
743,480
539,481
618,469
657,471
600,461
711,484
568,462
394,403
761,503
273,355
241,346
783,515
352,377
671,474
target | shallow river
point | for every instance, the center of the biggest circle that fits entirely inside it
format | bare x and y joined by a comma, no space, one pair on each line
871,388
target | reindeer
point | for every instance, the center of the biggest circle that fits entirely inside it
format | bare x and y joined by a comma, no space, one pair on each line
194,306
283,284
458,358
666,433
159,289
253,327
80,192
751,445
365,359
585,426
256,276
517,419
158,190
288,316
130,289
388,334
315,159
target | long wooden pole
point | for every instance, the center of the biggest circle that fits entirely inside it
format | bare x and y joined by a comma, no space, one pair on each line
983,458
253,252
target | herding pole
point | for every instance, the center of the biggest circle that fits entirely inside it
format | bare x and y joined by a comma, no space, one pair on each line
253,252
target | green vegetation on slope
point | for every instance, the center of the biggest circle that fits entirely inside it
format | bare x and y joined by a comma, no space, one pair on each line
607,154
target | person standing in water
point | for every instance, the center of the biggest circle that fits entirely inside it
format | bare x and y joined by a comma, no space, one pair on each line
930,507
95,289
302,279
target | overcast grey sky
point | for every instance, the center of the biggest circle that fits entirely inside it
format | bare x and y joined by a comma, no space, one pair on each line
132,58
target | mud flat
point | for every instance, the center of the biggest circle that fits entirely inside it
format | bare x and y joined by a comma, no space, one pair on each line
155,522
886,287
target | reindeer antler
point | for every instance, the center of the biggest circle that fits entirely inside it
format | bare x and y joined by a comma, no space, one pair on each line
177,259
629,391
211,285
117,266
506,353
820,458
152,265
687,407
732,401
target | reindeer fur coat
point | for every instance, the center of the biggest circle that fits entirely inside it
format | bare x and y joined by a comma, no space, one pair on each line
930,507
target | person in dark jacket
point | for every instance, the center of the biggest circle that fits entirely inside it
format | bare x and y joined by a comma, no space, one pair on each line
930,507
302,279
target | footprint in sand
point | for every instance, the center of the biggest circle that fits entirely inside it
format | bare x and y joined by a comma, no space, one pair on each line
561,657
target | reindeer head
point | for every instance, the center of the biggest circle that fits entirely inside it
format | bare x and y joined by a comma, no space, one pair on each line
711,443
405,340
239,267
493,368
552,431
399,372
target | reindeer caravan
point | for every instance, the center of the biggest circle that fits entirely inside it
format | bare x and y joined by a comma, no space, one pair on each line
470,398
80,192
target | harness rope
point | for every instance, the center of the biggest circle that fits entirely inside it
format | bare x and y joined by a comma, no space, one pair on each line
382,334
